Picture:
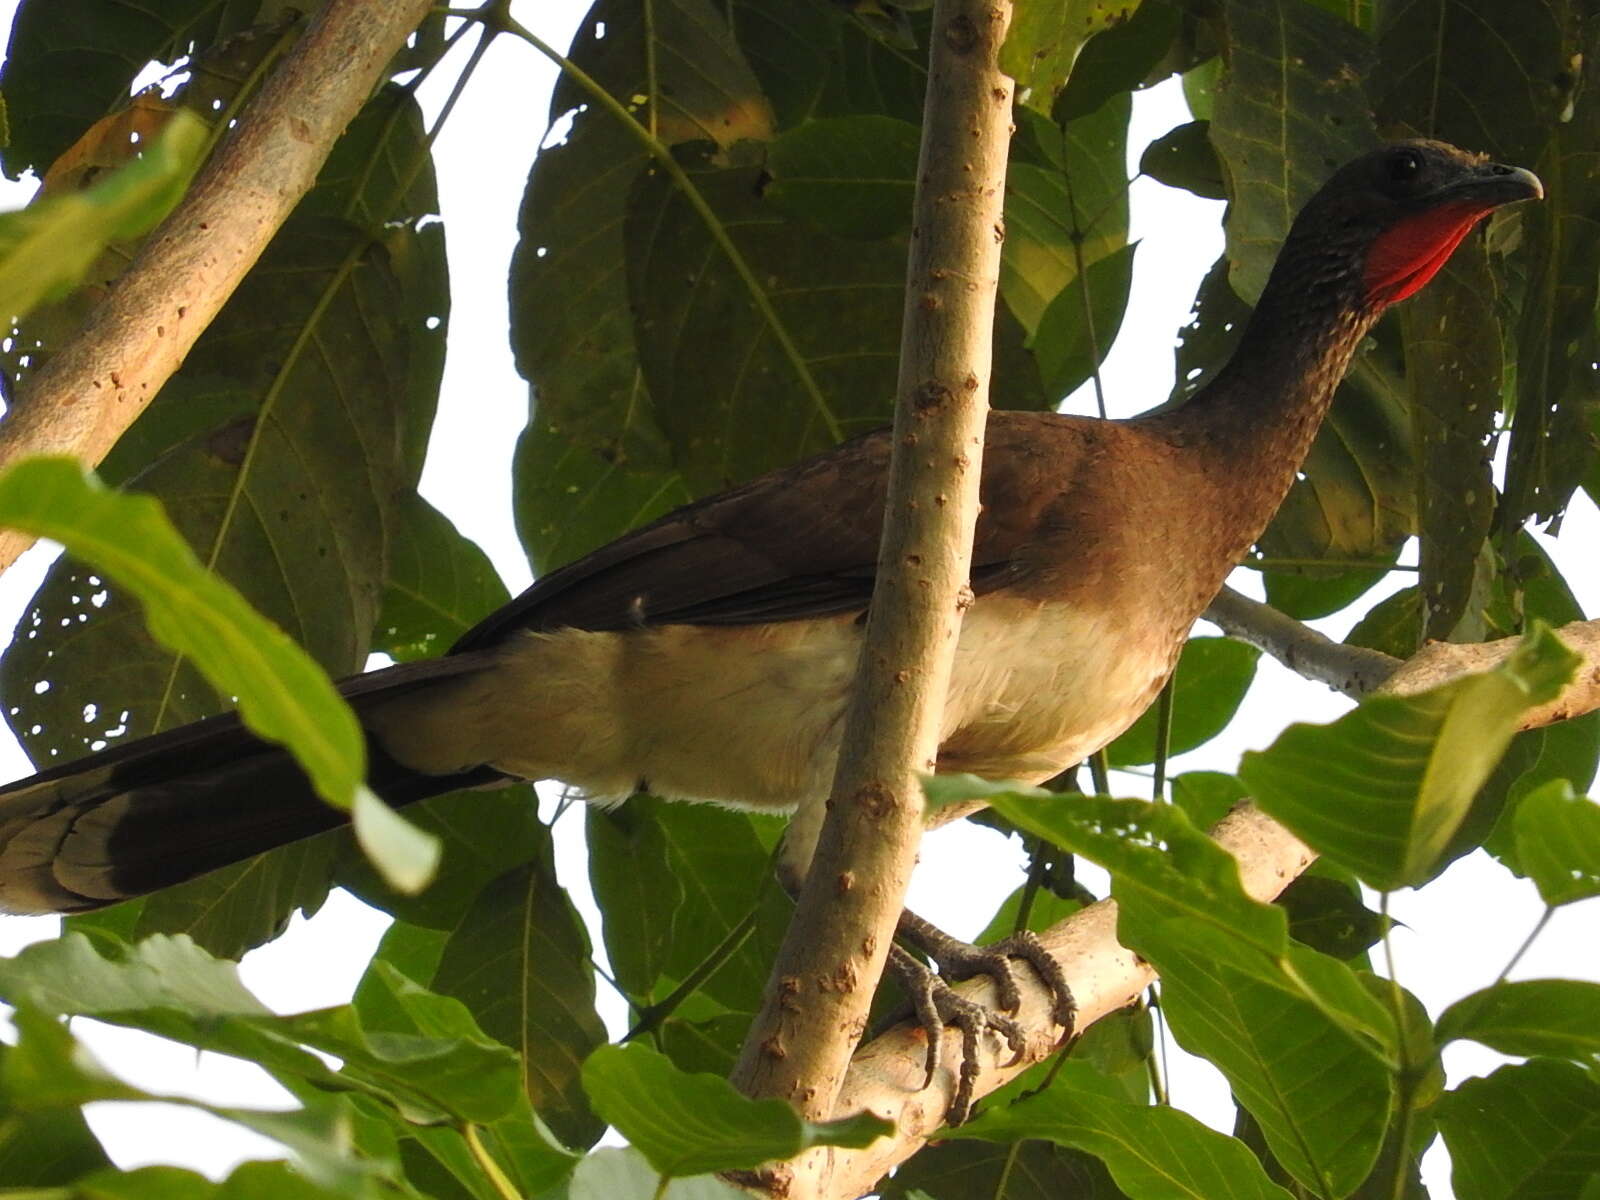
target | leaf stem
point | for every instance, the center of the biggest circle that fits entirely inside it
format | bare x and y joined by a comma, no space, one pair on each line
714,226
651,1016
1526,943
491,1170
1405,1069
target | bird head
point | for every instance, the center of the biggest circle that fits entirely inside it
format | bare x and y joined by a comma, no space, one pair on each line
1403,209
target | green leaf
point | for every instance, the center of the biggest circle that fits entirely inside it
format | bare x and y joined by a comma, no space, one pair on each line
46,248
48,1072
1320,1093
1327,915
519,962
593,461
282,694
1284,1024
1280,133
1212,678
852,176
1453,371
1526,1132
973,1170
1383,789
1150,1150
1044,40
1066,203
440,583
625,1175
1183,157
170,987
1558,842
1076,331
696,1124
1207,796
1556,1017
639,894
482,834
1152,846
1119,58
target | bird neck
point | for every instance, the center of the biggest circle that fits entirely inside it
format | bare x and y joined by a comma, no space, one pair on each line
1252,426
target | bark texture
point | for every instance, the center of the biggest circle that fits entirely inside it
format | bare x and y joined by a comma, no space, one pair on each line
818,997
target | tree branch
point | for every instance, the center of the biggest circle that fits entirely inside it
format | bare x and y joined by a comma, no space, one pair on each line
886,1075
817,999
1353,670
92,389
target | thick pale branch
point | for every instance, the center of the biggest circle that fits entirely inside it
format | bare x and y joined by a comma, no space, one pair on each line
886,1074
817,1000
1353,670
93,388
1440,662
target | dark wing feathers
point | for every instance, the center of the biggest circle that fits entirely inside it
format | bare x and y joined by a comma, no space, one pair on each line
795,543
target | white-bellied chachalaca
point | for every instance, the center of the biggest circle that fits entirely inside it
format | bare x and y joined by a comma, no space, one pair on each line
707,655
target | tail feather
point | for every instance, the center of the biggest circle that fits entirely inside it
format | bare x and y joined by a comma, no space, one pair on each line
168,808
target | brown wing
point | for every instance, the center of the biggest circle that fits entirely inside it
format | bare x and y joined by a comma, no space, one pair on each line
796,543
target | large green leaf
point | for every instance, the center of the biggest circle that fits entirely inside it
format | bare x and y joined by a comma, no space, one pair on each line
1283,1023
1453,368
1077,329
48,1073
1558,1017
1479,73
746,382
853,176
592,462
170,987
689,1124
1526,1132
1282,132
519,961
1383,789
1150,1150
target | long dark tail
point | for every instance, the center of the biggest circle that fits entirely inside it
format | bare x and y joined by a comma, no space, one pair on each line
167,808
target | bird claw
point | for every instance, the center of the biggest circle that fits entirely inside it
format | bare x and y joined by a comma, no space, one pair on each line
935,1005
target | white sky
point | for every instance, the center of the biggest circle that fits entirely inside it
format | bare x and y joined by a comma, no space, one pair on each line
1457,934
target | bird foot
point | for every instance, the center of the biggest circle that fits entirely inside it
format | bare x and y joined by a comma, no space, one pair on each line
935,1005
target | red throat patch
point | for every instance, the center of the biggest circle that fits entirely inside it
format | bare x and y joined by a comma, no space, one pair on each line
1409,253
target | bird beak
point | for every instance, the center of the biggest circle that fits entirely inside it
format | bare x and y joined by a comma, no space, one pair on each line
1489,186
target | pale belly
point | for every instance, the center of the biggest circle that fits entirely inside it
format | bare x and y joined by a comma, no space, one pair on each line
751,716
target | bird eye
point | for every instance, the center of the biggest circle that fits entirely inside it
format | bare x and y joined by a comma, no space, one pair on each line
1404,165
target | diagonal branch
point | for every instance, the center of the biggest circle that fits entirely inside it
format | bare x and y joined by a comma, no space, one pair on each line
886,1074
87,395
1353,670
817,999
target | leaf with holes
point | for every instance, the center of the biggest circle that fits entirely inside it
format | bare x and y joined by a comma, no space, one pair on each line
1281,133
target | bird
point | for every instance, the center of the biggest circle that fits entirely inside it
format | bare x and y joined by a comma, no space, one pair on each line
707,656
